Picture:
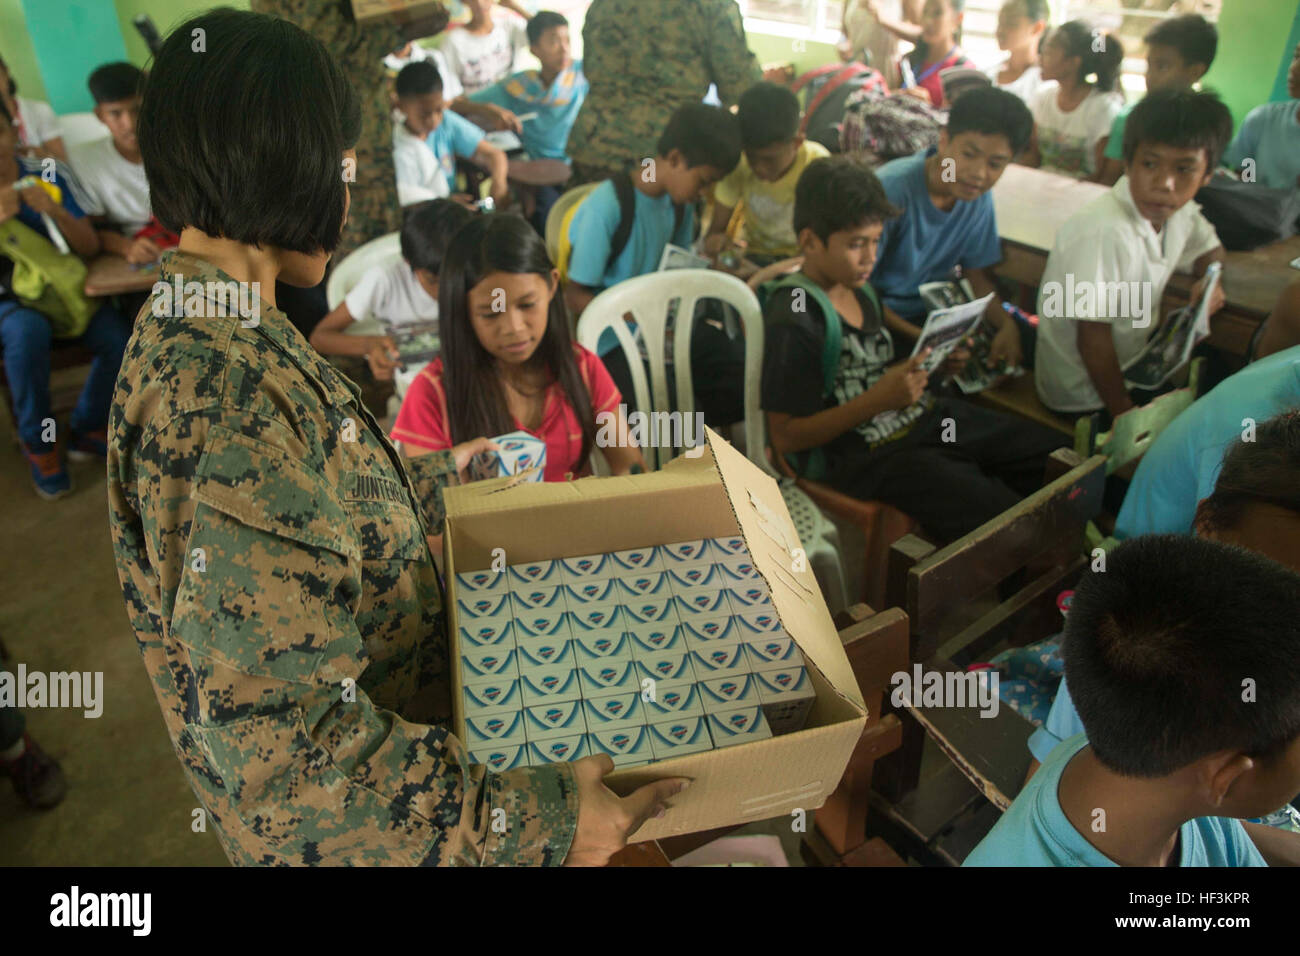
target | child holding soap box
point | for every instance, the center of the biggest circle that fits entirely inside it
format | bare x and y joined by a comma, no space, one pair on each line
508,363
641,655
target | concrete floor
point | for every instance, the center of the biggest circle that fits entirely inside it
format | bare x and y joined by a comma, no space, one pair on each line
128,801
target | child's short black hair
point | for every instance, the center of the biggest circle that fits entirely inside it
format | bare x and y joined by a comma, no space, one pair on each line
768,113
1160,646
1265,470
427,229
4,111
245,140
835,193
115,82
542,21
991,111
1183,119
1104,62
705,135
1193,36
418,79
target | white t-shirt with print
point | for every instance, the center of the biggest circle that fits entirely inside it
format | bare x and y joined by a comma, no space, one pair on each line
1025,86
419,174
393,294
118,188
1068,141
479,61
1105,243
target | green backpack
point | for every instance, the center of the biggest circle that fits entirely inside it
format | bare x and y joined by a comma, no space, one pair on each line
47,280
812,463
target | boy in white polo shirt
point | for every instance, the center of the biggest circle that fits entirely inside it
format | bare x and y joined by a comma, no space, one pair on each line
111,170
1138,234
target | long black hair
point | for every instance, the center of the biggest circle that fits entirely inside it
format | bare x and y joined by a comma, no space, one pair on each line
476,403
1077,37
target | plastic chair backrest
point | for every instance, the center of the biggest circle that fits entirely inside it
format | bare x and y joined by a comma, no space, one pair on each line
555,217
80,128
646,298
1134,431
377,252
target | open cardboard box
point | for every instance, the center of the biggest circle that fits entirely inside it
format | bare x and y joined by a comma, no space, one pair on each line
400,11
717,493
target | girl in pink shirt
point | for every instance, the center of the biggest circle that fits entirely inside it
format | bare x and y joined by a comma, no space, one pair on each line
508,361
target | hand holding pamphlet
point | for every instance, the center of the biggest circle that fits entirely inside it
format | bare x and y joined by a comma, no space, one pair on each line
945,328
1170,346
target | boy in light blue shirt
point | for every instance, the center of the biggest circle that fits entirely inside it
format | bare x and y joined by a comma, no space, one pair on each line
1270,136
1158,647
948,217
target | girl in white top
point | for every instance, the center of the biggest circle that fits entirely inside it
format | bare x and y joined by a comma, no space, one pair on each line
1073,116
37,128
1021,25
484,50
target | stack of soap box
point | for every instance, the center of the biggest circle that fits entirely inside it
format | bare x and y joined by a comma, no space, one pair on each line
643,655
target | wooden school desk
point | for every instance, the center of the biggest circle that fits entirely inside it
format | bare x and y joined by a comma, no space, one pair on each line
1032,205
109,274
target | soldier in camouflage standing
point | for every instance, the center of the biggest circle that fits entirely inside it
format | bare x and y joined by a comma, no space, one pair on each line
360,51
270,543
643,60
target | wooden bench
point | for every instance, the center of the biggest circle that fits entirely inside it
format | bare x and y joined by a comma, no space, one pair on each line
1039,546
1018,396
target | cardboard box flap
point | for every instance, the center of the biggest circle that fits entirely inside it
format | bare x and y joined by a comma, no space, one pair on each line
776,551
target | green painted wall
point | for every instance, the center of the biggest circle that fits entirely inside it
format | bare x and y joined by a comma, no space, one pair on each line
804,54
166,14
1279,89
71,38
17,50
1253,47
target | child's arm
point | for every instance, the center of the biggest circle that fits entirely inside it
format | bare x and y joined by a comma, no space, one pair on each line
900,386
329,338
716,238
1005,346
76,229
494,161
487,114
1097,348
514,5
1277,847
911,32
135,251
1282,327
623,454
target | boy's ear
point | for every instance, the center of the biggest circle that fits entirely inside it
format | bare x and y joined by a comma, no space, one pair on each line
99,113
1219,773
554,284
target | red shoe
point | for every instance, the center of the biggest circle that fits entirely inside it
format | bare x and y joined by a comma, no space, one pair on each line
49,475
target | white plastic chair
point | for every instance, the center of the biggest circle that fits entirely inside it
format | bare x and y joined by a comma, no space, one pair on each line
647,299
80,128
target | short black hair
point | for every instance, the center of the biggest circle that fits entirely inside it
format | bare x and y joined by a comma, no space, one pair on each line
1193,36
13,84
1265,470
245,139
1183,119
4,111
115,82
427,229
1035,10
542,21
1079,39
835,193
1159,645
418,79
705,135
768,113
991,111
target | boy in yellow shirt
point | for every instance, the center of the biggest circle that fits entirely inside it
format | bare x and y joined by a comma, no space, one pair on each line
775,154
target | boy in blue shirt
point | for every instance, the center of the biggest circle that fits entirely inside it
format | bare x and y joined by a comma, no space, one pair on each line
948,218
554,95
430,137
1270,136
699,146
26,334
1158,648
875,430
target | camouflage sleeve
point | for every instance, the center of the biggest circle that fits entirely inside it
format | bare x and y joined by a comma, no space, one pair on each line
429,474
292,758
329,22
734,67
